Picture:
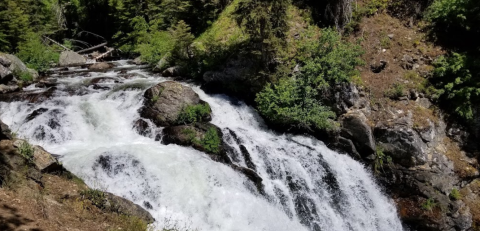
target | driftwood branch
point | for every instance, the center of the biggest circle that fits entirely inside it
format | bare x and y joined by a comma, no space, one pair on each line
58,44
92,48
104,54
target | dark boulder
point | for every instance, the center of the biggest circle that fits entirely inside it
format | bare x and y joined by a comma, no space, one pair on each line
378,67
355,127
192,135
100,66
399,140
142,127
173,72
5,74
164,102
5,133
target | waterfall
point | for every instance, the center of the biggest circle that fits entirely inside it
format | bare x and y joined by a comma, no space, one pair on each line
306,185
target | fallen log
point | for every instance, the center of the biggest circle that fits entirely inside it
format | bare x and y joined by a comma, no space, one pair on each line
57,43
92,48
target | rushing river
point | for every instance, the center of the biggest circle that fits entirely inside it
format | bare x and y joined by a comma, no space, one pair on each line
306,185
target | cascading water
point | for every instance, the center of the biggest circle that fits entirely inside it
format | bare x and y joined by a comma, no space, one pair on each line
306,185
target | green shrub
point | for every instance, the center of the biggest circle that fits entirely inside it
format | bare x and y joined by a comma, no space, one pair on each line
380,159
455,22
296,101
35,54
25,76
156,47
193,113
96,196
397,91
211,141
26,150
455,194
329,60
292,103
429,204
457,78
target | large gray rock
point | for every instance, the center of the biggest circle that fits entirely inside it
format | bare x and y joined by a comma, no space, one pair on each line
355,127
7,89
44,161
175,71
401,142
5,74
16,65
164,102
70,58
126,207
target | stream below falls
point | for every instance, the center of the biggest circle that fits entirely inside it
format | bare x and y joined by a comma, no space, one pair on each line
88,122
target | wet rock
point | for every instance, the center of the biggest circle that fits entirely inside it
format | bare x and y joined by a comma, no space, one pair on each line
138,61
142,128
17,66
191,135
164,102
378,67
251,175
5,74
401,142
44,161
123,206
8,89
70,58
347,145
162,64
31,97
355,127
173,72
100,66
5,132
35,114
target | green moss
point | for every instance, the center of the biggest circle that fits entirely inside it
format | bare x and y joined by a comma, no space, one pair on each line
455,194
429,204
193,113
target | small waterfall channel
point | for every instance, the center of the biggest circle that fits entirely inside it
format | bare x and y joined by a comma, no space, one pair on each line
89,120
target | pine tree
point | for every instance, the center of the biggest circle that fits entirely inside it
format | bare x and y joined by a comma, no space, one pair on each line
265,21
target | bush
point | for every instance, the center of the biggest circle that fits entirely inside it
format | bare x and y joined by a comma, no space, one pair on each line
296,101
35,54
211,141
455,22
193,113
329,60
289,102
96,196
26,150
455,194
397,91
429,204
380,159
158,45
457,79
